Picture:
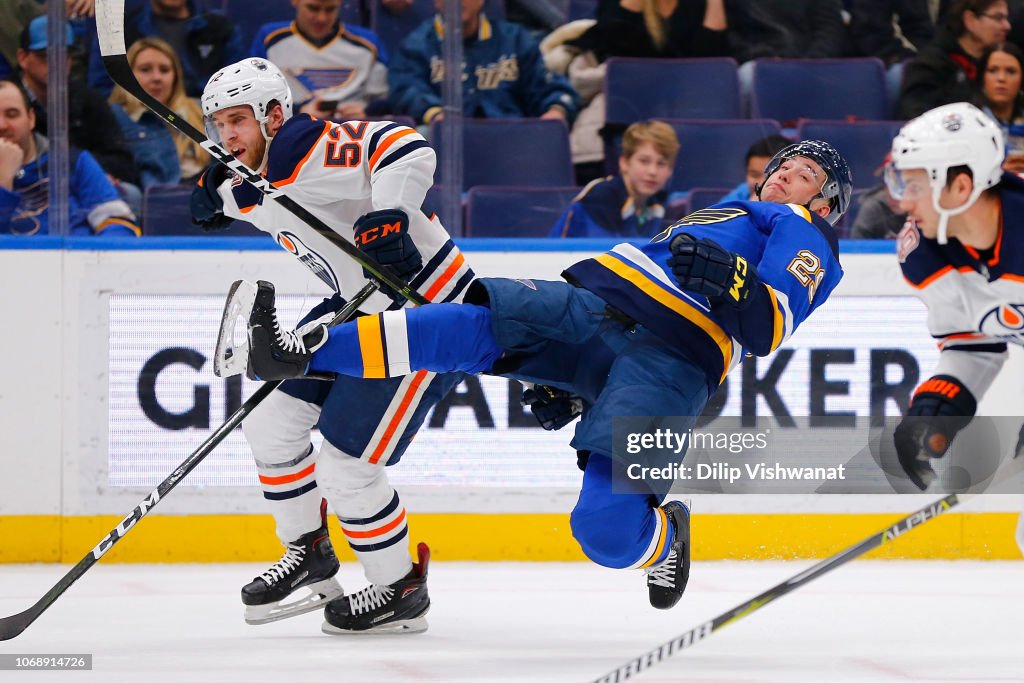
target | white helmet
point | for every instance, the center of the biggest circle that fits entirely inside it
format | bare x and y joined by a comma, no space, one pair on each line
253,81
957,134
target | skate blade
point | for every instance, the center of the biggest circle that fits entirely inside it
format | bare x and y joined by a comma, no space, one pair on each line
320,593
230,359
398,628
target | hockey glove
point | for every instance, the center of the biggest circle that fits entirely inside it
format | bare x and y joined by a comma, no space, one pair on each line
384,236
704,267
552,407
941,407
206,204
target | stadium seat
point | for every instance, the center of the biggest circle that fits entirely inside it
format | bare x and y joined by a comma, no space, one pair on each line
516,211
639,89
165,211
864,144
518,152
791,89
702,197
711,153
581,9
393,28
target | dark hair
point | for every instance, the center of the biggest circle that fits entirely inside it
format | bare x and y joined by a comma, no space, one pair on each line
21,89
953,171
768,147
1015,52
955,13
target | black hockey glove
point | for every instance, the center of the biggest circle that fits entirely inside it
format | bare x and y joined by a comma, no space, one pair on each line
206,204
384,236
552,407
704,267
941,407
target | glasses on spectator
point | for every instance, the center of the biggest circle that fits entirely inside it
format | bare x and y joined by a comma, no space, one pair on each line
998,17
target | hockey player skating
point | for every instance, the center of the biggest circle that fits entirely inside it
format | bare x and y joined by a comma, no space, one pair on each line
368,181
962,251
636,331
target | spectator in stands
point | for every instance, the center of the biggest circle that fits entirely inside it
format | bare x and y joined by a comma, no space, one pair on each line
14,17
161,154
205,41
879,215
91,123
758,156
1000,95
807,29
334,70
94,206
630,204
874,23
649,28
946,70
503,73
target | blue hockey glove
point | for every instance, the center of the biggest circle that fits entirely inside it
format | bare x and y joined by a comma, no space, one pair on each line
384,236
941,407
704,267
206,204
552,407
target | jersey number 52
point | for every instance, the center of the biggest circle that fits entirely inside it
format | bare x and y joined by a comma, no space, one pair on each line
806,268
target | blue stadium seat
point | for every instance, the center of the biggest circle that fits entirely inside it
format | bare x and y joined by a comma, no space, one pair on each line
864,144
581,9
393,28
711,153
165,211
639,89
519,152
703,197
250,16
516,211
791,89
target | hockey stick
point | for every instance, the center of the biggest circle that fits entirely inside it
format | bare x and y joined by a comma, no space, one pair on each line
12,626
659,654
110,30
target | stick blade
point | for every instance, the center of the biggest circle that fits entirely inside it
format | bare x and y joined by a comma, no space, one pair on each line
12,626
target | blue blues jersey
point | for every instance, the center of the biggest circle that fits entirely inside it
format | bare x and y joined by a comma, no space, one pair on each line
796,255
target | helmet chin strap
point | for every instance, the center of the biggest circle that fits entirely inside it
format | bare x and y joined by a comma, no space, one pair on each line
941,232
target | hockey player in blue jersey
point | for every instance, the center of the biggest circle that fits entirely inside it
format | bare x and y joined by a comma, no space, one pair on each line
963,251
649,330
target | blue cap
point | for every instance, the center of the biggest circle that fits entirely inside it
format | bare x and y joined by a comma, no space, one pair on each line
34,35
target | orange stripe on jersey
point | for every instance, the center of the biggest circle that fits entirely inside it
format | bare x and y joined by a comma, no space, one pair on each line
661,539
447,275
386,143
376,532
1010,276
397,417
955,337
287,478
931,278
302,162
777,326
371,346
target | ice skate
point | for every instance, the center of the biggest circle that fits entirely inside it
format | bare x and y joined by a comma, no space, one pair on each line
667,581
276,354
308,567
395,609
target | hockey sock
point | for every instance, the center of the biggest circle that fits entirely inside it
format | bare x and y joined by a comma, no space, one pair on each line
380,542
436,337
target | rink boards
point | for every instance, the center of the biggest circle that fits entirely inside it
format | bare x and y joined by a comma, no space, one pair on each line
109,387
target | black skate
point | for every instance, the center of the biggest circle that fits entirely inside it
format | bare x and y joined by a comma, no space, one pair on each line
398,608
308,563
667,581
274,353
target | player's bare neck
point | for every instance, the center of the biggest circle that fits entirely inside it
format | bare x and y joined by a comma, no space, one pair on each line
979,227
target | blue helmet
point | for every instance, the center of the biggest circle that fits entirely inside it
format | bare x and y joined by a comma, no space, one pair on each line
837,189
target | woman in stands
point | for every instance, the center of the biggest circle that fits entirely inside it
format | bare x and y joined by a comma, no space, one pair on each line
161,155
1001,97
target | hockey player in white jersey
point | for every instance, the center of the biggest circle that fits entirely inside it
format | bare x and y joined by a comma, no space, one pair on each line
367,180
963,250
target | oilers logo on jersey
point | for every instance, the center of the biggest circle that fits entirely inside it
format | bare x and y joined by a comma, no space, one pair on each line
1005,321
316,263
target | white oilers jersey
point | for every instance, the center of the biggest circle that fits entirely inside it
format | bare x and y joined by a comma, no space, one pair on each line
975,300
338,172
350,66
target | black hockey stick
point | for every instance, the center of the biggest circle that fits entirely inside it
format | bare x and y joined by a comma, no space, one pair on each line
12,626
110,30
659,654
